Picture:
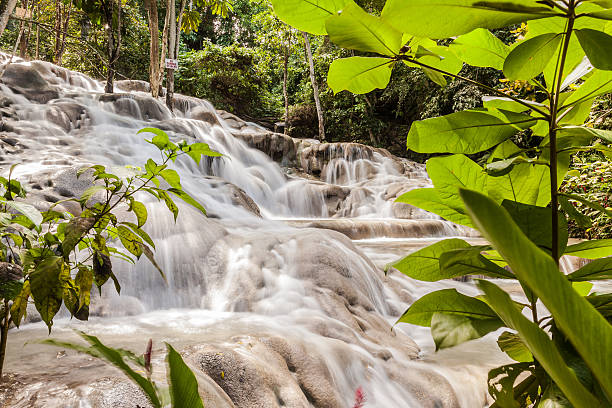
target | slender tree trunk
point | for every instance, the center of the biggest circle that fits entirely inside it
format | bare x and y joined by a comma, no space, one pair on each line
4,335
154,67
57,57
315,88
286,49
37,31
114,44
171,11
6,9
63,24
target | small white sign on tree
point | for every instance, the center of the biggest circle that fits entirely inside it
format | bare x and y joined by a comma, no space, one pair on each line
171,63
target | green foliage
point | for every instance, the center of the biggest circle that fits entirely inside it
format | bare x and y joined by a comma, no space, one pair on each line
590,180
233,78
41,248
524,136
182,383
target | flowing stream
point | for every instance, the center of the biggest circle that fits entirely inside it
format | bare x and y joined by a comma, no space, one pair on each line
276,299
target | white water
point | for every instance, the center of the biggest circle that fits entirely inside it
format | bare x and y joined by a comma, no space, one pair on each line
236,279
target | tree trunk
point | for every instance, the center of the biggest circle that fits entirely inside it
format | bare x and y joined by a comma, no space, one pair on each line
171,12
154,67
114,44
6,9
37,32
286,49
315,88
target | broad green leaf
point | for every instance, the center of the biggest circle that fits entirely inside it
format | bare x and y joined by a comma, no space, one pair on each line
469,261
20,304
530,57
307,15
597,248
469,131
112,356
429,199
480,48
171,177
536,224
538,342
76,228
447,18
582,288
525,183
140,211
448,174
498,168
169,202
183,384
187,198
585,328
140,232
160,139
596,44
26,209
596,270
355,29
447,301
435,57
513,346
504,150
599,83
359,75
424,264
450,330
129,240
507,104
197,150
84,281
585,133
47,289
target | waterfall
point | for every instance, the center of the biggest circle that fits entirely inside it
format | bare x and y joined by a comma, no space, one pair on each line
277,298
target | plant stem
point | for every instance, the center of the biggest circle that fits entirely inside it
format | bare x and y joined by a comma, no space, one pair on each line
4,335
554,107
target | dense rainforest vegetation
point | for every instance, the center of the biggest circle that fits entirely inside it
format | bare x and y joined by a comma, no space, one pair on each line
508,103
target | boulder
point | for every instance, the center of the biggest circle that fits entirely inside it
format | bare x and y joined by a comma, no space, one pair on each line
27,81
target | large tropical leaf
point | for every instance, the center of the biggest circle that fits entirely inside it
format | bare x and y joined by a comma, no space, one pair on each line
469,131
596,248
596,44
480,48
540,345
447,301
447,18
530,57
359,75
307,15
449,330
585,328
355,29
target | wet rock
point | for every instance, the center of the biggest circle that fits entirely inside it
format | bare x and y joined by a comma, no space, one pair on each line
204,114
10,271
131,85
27,81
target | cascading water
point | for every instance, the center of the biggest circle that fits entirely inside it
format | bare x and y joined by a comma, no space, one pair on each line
269,297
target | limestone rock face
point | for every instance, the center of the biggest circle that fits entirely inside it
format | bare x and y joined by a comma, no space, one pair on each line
27,81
